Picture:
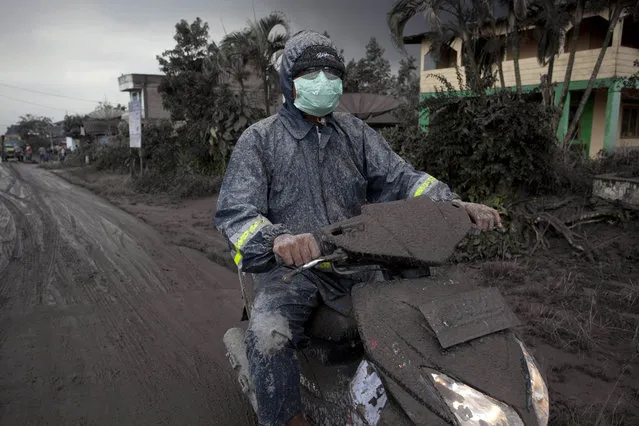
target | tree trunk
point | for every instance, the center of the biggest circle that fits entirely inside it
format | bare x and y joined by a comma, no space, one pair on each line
614,20
500,62
266,94
242,94
500,69
551,68
516,60
579,13
548,82
471,67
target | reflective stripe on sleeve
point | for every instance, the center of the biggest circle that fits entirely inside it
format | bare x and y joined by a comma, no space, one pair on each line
423,184
240,238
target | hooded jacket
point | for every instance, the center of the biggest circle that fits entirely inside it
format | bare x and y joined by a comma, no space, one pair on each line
287,175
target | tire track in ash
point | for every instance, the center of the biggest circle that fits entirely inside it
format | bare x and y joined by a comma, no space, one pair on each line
139,365
140,316
119,319
16,280
23,282
125,331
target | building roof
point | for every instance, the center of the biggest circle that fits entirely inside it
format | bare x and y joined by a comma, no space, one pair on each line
105,114
415,38
56,131
101,127
129,82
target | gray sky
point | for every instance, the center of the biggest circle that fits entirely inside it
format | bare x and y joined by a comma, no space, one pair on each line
79,51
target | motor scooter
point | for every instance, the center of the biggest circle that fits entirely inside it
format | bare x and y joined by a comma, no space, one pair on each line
423,346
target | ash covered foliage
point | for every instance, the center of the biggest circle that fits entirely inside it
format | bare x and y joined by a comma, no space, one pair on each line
500,148
483,144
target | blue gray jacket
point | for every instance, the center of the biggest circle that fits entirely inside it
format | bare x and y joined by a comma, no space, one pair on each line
287,175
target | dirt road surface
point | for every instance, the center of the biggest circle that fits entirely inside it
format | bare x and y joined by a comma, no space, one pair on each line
102,322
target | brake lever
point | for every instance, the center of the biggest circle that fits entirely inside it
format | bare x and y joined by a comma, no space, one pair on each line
337,255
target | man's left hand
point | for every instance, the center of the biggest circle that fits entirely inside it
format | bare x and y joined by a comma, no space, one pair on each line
485,218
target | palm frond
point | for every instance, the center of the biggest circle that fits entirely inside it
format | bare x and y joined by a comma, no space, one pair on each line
236,41
550,30
278,41
263,29
520,8
402,11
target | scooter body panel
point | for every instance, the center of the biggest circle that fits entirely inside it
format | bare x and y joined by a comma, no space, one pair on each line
407,351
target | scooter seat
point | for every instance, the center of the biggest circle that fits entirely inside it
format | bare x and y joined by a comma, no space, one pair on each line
328,324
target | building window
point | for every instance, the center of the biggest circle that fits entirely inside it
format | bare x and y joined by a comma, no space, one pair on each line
630,121
592,33
447,59
429,62
630,33
527,45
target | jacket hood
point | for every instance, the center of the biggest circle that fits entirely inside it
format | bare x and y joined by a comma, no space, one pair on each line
292,51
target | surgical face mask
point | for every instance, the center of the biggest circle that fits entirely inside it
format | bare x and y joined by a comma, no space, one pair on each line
317,93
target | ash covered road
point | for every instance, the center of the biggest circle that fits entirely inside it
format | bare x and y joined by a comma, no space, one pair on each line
102,322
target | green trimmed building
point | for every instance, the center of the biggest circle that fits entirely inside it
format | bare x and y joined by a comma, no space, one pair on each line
610,120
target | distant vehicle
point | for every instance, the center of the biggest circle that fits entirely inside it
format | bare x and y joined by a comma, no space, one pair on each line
14,149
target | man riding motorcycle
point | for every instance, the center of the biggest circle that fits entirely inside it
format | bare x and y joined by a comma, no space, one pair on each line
290,175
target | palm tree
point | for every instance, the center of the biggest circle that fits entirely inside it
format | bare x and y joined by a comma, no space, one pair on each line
517,10
496,47
403,10
615,12
549,36
236,57
261,44
464,21
550,21
577,18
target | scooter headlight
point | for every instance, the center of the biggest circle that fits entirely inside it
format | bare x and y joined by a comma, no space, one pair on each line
538,389
473,408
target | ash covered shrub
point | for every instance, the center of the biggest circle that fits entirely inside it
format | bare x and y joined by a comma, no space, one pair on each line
160,147
114,156
483,144
624,163
74,159
494,148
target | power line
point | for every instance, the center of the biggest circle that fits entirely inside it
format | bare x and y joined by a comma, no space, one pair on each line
33,103
49,93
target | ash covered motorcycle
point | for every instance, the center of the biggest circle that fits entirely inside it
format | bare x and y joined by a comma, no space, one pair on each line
420,349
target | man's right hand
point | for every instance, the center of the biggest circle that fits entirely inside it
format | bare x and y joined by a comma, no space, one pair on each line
296,249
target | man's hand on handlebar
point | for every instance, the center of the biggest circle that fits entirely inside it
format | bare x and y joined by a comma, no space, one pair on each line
485,218
296,249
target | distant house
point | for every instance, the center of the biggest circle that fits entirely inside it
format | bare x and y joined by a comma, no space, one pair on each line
611,117
101,130
103,123
56,133
144,87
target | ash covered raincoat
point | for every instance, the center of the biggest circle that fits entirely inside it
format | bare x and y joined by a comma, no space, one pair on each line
287,175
